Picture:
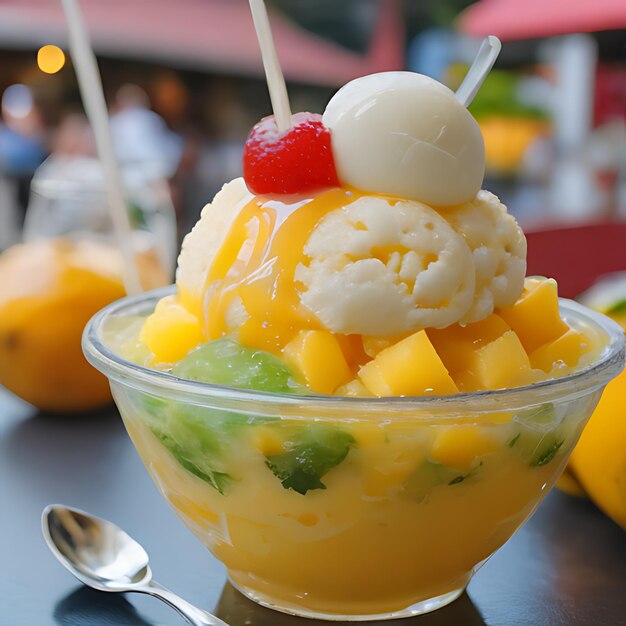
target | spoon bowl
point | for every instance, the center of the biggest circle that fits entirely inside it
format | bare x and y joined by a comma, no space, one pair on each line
94,550
102,556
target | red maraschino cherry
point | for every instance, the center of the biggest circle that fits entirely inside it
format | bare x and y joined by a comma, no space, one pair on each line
297,161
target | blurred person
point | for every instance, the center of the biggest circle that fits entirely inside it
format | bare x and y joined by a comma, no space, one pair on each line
73,137
141,137
149,154
22,145
22,149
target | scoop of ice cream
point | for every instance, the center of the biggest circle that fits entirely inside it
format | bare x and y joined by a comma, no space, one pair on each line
375,265
405,134
498,250
202,244
379,267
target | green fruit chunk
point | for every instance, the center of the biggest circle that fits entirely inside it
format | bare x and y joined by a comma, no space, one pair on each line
202,439
311,454
199,438
203,469
227,362
428,475
540,437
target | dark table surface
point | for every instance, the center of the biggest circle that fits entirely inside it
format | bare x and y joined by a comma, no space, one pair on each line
567,566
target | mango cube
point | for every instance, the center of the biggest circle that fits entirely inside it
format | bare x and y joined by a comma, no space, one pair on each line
457,345
352,348
318,357
263,336
410,367
502,363
267,441
459,446
568,349
535,316
373,345
171,331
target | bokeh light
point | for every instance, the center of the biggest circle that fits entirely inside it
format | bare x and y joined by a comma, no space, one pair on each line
50,59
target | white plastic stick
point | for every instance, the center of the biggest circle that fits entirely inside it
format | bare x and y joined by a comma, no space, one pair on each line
273,73
475,77
92,94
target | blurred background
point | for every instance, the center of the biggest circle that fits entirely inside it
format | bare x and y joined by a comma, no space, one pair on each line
185,85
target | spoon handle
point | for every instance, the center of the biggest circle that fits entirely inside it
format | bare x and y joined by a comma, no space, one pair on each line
194,615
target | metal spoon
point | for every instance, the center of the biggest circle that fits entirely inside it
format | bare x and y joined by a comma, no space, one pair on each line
104,557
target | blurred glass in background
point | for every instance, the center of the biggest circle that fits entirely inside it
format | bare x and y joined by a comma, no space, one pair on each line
68,194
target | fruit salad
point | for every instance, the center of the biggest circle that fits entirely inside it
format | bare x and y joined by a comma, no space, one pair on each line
354,395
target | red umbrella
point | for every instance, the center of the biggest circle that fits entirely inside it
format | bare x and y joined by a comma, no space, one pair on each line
215,35
527,19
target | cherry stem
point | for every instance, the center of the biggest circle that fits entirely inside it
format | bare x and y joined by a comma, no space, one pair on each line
273,73
475,77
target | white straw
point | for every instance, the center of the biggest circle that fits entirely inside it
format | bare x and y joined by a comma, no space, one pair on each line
94,103
475,77
273,73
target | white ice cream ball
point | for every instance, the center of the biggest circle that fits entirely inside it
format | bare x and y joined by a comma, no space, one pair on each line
405,134
202,244
381,267
498,248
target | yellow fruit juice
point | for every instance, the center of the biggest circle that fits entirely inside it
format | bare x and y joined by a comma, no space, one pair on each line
409,513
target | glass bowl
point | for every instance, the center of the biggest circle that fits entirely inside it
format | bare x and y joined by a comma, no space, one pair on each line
351,508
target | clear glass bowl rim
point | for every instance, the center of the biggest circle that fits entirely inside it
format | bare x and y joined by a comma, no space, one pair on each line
163,384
